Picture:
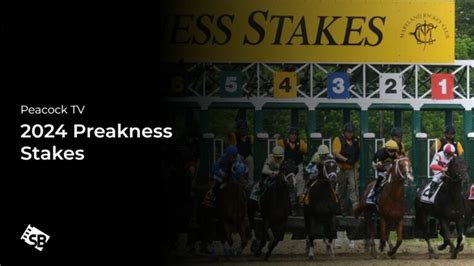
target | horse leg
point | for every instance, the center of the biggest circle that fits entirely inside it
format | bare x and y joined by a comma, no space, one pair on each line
371,231
459,241
310,245
393,250
383,234
445,241
243,239
445,233
274,242
329,231
252,207
263,239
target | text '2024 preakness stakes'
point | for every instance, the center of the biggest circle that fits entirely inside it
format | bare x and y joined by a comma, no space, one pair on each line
49,131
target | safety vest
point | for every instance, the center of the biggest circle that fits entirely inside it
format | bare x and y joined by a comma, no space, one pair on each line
295,153
244,147
349,151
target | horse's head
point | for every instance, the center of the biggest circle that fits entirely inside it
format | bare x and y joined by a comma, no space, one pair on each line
403,169
331,170
457,170
288,170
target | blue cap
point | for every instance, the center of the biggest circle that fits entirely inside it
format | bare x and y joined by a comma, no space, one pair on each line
293,130
348,127
450,130
231,150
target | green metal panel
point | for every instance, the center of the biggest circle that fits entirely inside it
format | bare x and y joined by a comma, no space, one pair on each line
468,144
260,145
448,117
346,116
397,114
294,117
205,149
364,150
311,128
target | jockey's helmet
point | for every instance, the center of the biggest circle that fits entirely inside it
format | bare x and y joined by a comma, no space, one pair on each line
278,153
391,146
449,149
323,149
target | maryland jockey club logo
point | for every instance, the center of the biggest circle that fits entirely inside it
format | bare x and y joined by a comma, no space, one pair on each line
424,33
425,29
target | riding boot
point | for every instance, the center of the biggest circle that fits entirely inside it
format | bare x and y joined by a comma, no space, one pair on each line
375,190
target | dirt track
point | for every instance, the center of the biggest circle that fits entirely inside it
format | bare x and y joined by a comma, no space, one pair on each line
292,252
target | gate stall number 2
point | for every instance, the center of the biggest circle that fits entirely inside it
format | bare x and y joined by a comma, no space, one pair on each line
390,86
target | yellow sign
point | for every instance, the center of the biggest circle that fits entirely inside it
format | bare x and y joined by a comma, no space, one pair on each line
419,31
284,85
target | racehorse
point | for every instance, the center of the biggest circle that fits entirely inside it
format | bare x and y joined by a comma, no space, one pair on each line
275,208
448,207
232,209
391,206
322,207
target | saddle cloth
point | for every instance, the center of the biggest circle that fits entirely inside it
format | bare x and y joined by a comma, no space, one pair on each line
426,190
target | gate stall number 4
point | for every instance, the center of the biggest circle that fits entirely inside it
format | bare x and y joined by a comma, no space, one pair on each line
284,85
390,86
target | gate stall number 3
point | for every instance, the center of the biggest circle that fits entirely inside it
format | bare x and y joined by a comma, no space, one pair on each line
338,84
391,86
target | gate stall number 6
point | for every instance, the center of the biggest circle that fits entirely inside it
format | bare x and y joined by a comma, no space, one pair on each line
390,86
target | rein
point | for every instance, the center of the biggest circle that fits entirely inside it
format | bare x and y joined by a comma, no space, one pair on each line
397,170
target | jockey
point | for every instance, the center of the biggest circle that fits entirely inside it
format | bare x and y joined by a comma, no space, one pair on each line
396,135
314,168
382,162
271,168
439,165
295,149
221,171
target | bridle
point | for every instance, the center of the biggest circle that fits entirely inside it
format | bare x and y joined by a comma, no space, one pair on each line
332,176
398,171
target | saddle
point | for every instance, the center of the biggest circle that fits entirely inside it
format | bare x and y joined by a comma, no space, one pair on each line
424,196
